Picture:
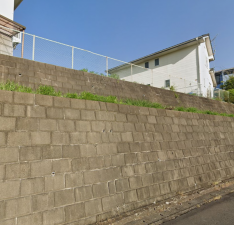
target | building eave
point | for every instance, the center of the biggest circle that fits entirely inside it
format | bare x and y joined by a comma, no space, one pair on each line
17,3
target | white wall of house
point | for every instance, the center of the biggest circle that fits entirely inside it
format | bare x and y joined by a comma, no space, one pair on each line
7,8
205,78
180,67
6,45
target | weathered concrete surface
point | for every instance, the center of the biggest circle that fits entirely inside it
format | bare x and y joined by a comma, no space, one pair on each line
33,74
220,212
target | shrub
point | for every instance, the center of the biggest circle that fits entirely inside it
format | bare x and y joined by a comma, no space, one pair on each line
47,90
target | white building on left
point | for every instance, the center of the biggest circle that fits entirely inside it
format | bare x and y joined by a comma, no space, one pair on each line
9,29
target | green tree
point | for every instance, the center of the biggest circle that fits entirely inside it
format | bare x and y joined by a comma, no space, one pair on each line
229,84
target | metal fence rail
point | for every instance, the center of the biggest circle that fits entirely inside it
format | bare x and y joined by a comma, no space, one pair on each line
48,51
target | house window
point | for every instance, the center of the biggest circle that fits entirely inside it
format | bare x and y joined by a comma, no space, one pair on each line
167,83
147,65
156,62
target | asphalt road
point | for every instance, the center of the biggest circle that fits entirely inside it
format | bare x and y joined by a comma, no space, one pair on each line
220,212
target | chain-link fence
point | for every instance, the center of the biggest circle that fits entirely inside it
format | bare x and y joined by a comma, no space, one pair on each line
47,51
222,95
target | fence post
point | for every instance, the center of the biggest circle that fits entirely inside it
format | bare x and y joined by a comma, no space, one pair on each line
131,72
33,53
72,57
219,94
22,46
106,66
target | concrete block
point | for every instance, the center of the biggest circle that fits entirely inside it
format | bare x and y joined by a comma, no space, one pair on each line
17,207
54,216
87,115
42,202
127,137
71,151
23,98
98,126
7,123
74,212
154,190
83,193
100,190
130,158
66,125
93,105
111,202
120,117
127,171
14,110
143,193
32,186
135,182
122,185
78,104
135,147
62,102
103,175
96,162
9,189
73,180
106,116
130,196
80,164
72,114
106,149
164,188
19,139
51,152
40,138
54,113
61,165
118,160
139,169
129,127
83,126
36,111
88,150
60,138
48,125
114,137
6,96
9,222
27,124
123,147
17,170
78,138
64,197
35,219
44,100
41,168
93,207
94,137
158,177
54,182
2,139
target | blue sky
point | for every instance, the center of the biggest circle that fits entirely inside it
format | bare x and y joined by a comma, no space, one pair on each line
129,29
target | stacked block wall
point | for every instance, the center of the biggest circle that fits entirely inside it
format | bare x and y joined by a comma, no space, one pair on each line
33,74
68,161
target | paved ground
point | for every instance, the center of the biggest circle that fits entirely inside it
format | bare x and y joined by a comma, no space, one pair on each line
220,212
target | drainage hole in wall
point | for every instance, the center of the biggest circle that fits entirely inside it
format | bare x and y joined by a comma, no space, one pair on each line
20,74
53,173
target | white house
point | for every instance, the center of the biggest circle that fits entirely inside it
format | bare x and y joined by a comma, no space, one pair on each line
184,66
9,37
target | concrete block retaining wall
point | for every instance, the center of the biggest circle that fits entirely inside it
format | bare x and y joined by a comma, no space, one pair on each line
68,160
33,74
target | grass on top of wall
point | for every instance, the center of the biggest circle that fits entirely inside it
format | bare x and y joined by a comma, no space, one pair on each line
48,90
